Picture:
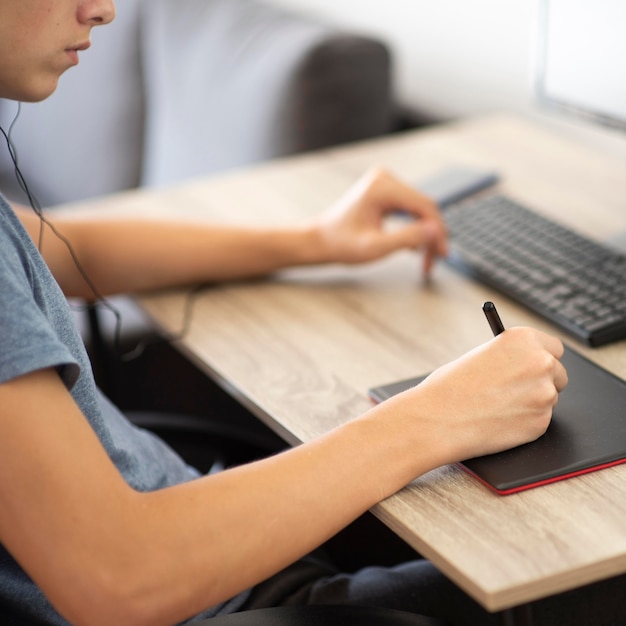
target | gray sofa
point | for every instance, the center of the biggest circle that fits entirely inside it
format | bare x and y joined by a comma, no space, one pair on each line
179,88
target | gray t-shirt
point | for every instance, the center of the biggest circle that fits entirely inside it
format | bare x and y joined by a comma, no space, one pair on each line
37,331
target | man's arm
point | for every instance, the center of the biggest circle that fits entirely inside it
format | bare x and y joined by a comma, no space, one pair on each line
132,255
104,553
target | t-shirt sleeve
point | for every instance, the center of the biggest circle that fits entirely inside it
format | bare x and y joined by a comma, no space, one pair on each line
28,340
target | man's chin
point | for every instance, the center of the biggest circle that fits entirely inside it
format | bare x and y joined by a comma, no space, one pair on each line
34,92
43,92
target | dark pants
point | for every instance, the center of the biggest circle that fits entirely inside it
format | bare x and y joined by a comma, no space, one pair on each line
419,587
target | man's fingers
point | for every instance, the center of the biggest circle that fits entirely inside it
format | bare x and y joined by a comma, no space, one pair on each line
560,376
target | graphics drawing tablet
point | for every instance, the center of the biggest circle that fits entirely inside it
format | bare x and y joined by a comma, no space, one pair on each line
587,432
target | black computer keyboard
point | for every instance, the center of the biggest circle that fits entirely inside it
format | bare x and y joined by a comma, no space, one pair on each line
574,282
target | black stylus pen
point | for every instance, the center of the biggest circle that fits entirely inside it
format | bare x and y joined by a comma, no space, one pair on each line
489,309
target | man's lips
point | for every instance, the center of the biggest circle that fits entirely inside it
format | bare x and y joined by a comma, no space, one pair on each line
81,46
73,51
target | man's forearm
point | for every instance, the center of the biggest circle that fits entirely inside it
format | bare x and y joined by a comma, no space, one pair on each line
130,255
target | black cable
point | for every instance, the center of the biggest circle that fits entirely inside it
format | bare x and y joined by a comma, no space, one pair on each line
36,206
141,346
99,299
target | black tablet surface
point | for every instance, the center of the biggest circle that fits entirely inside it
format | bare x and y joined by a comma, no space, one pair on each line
587,432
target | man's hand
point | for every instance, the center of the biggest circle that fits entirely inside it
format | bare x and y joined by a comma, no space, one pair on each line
498,396
353,230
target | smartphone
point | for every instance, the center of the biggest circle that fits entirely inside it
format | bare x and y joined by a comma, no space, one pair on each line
455,184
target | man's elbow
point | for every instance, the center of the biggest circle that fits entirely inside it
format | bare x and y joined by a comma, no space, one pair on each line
109,596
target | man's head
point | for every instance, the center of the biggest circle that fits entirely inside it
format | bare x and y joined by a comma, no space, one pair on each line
41,39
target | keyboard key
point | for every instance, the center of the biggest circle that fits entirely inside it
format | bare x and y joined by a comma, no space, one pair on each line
573,281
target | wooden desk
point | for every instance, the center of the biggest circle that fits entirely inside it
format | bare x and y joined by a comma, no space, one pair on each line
301,350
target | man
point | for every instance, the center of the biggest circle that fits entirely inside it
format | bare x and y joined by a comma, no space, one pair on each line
101,522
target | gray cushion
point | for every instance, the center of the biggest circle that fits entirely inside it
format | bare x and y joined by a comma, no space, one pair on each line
230,83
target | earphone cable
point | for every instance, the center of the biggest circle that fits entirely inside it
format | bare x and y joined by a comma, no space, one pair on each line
99,299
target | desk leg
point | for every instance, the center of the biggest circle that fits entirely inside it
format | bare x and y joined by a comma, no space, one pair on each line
517,616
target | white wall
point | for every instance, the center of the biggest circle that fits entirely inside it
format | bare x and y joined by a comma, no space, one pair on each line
452,57
461,57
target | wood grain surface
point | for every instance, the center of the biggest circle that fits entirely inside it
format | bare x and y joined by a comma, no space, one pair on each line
301,350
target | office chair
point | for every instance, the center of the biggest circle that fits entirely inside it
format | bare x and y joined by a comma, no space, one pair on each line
208,444
321,615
